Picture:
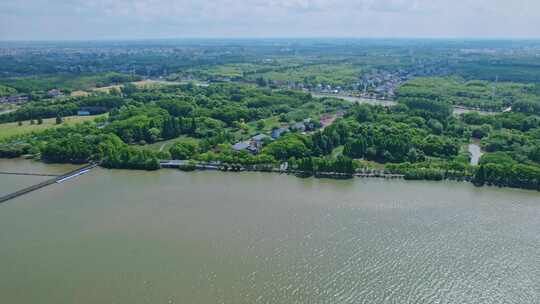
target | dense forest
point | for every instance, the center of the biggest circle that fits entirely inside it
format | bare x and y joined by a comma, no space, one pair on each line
214,115
484,95
68,83
260,114
419,138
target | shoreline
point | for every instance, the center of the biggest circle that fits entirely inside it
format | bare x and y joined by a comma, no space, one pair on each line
342,176
368,174
189,166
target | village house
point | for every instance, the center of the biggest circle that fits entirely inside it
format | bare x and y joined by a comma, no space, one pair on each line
260,139
299,126
257,142
241,146
55,93
303,126
276,133
16,99
254,145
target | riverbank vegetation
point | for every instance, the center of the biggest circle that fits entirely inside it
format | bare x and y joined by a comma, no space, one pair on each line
418,138
252,107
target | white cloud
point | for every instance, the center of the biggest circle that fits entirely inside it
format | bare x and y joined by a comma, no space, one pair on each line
91,19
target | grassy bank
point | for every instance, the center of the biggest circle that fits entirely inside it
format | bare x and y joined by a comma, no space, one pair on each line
13,128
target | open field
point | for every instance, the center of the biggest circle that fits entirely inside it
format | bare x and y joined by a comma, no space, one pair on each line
79,94
13,129
166,144
107,89
142,84
150,83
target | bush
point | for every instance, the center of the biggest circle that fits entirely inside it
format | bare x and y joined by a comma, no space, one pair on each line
424,174
184,150
13,151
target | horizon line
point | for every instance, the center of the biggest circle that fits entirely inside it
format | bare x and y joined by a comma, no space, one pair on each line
462,38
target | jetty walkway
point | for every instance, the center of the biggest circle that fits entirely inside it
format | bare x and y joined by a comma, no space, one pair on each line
55,179
27,174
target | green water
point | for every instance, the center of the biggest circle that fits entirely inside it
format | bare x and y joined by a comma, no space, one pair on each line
210,237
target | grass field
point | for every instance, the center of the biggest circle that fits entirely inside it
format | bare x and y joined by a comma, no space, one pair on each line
166,144
107,89
142,84
13,129
79,94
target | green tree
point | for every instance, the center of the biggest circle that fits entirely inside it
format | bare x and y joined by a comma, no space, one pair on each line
355,148
184,150
286,147
260,124
128,89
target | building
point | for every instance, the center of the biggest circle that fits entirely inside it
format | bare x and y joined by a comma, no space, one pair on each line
254,145
16,99
276,133
260,138
257,142
55,93
299,126
83,113
241,146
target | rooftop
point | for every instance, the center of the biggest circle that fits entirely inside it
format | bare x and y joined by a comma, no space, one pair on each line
260,137
240,146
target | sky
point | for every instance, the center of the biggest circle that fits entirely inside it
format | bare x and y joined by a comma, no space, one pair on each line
156,19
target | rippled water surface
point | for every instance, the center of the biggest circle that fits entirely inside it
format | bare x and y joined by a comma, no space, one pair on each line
209,237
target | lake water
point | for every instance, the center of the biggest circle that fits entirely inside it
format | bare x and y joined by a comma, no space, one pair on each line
212,237
12,183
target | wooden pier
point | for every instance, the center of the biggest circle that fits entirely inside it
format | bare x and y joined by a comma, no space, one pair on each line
57,178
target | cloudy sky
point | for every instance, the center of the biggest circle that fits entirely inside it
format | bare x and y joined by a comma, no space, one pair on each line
141,19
